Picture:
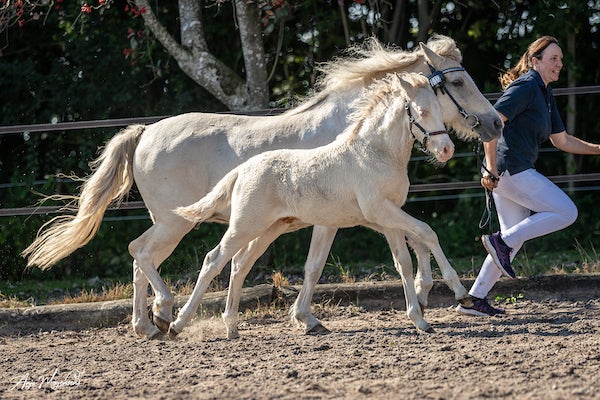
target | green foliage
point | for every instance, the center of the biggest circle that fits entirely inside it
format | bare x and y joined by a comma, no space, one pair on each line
74,66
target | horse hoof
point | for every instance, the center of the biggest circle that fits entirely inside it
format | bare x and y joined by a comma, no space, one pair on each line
158,335
172,332
466,301
429,329
318,330
161,324
233,336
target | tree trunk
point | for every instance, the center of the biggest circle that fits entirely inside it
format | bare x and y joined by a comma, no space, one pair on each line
195,59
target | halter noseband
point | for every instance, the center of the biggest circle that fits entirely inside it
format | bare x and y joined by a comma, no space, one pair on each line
437,80
412,121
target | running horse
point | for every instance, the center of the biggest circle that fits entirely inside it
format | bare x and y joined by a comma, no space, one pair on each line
177,160
361,178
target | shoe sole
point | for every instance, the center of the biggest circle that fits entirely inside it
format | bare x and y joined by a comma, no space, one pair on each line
469,311
485,239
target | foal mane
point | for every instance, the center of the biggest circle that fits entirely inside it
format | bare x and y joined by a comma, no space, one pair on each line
380,92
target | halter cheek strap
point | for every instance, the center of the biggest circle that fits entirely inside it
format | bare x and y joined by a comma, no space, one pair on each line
437,80
412,121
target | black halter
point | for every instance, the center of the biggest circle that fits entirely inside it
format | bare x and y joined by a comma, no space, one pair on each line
412,121
437,80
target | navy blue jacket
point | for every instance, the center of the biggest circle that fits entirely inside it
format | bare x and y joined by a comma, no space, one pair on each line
532,118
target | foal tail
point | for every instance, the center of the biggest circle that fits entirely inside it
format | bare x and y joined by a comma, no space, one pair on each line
111,180
216,200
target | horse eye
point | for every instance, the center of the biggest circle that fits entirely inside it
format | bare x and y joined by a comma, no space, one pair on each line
457,83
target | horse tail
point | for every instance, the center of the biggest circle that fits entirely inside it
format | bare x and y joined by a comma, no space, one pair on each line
110,181
216,200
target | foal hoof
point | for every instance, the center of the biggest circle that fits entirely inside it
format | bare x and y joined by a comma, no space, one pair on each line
161,324
318,330
172,332
466,301
429,329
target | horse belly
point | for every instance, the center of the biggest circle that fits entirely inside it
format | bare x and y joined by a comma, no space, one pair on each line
330,213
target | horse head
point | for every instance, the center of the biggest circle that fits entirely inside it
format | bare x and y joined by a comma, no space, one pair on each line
464,108
424,114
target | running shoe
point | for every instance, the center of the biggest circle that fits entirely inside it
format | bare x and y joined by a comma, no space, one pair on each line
480,308
500,253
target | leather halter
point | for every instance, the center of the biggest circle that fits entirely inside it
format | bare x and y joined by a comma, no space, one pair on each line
412,121
437,80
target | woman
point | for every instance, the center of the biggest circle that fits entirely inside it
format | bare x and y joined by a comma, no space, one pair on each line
529,112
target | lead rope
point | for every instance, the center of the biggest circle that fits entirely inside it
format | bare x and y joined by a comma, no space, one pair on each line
487,217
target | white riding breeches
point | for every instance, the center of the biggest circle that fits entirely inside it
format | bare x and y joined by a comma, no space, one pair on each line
529,205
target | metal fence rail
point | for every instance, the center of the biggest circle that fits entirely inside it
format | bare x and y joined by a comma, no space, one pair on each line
426,187
64,126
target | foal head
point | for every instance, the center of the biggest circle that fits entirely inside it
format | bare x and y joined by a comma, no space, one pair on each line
400,109
424,114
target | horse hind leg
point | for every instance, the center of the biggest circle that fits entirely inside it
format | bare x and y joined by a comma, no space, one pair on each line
213,264
300,313
149,251
403,263
241,264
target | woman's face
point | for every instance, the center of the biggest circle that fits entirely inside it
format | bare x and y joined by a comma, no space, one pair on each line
550,63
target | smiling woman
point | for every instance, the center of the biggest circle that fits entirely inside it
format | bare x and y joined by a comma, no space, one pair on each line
529,205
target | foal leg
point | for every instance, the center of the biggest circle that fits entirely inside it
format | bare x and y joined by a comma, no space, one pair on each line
390,215
213,264
403,263
320,245
241,264
423,278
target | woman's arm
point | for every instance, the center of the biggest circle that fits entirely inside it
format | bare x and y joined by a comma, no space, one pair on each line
572,144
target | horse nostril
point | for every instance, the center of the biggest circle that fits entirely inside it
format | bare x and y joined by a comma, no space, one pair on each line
498,123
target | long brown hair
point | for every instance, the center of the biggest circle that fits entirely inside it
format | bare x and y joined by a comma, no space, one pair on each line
535,49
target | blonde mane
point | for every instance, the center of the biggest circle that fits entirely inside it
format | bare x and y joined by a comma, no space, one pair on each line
367,62
374,59
378,93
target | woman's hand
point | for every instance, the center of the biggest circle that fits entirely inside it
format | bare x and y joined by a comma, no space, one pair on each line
490,182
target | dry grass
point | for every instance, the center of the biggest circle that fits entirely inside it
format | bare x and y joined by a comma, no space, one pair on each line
279,280
118,291
14,302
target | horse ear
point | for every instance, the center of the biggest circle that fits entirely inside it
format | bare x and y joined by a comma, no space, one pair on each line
433,58
407,86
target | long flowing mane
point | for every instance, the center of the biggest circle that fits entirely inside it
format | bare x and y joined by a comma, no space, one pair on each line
374,59
378,94
366,62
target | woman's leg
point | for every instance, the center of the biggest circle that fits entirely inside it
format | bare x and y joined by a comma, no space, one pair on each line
553,209
509,215
514,197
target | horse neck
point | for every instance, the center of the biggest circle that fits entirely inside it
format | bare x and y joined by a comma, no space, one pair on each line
383,136
323,119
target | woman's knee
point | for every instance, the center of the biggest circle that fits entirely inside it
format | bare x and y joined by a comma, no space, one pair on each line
569,213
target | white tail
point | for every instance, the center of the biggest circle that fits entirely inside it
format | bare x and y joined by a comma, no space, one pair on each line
216,200
111,181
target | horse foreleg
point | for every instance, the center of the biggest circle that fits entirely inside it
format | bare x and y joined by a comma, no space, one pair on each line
320,245
241,264
423,278
213,264
392,215
403,263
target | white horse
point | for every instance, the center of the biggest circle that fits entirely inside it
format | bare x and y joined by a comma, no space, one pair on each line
360,178
178,160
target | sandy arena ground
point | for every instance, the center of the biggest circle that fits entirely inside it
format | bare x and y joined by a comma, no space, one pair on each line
545,349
